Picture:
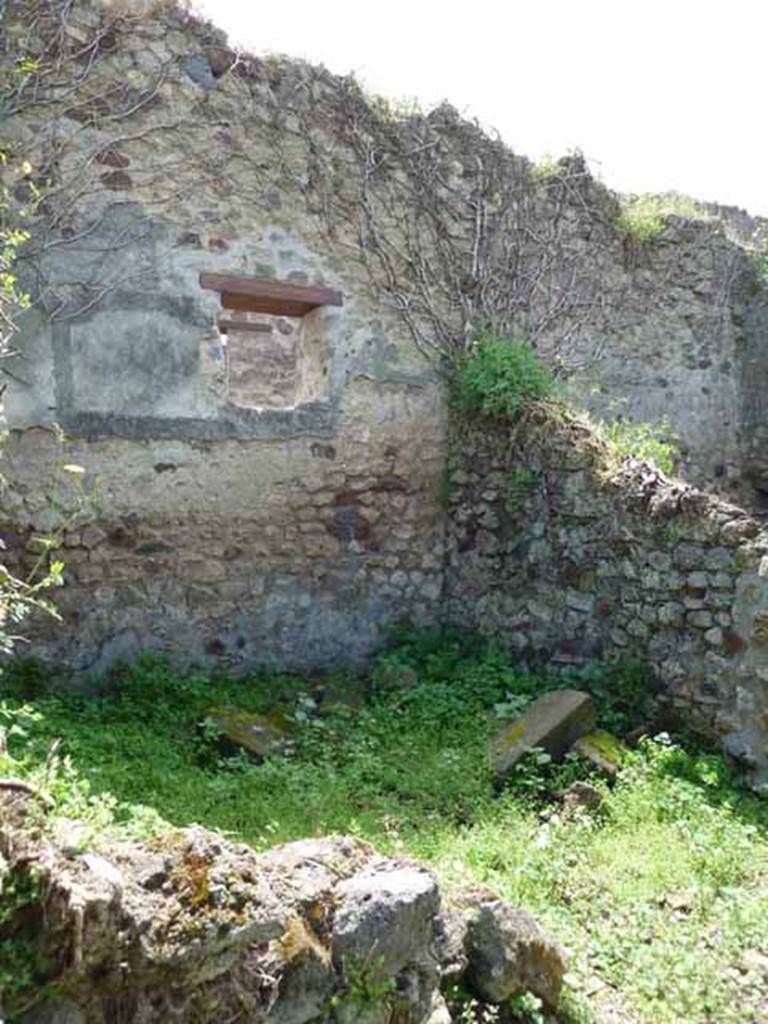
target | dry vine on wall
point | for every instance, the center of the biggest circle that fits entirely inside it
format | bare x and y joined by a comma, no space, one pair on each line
454,230
443,222
66,113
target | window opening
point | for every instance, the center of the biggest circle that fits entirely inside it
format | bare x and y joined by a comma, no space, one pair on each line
276,340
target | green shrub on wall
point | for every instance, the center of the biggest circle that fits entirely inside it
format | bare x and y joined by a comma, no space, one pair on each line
642,218
498,376
653,441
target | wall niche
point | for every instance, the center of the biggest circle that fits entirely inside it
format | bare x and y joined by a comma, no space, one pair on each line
276,339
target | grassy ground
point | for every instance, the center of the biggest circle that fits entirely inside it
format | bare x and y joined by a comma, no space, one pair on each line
661,896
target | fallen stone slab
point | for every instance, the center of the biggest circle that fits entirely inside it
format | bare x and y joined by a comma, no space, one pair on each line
553,723
259,735
602,750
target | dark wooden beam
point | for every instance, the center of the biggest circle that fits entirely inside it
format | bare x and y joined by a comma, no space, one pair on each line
261,295
226,325
277,307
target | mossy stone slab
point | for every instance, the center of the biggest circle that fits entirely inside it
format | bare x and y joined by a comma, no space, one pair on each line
553,723
602,750
258,734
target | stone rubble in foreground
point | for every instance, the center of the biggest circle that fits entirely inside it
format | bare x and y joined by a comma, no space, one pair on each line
190,928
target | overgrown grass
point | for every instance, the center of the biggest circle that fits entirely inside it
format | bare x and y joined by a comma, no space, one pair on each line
661,896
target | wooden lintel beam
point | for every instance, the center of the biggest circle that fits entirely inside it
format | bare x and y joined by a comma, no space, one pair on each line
262,295
275,307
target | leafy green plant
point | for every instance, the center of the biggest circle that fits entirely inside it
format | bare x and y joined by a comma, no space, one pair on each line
19,197
622,689
510,706
465,1008
653,441
539,775
367,986
757,254
394,111
22,968
546,169
498,376
22,594
642,217
12,237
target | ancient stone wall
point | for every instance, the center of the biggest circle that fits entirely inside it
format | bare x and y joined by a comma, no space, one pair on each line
298,553
276,499
687,344
564,553
277,510
753,402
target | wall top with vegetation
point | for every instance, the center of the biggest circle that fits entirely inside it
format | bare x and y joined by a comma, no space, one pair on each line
564,550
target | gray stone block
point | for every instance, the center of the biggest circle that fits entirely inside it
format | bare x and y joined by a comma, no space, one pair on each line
553,723
509,954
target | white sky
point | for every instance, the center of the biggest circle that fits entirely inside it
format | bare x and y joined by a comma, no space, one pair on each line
658,95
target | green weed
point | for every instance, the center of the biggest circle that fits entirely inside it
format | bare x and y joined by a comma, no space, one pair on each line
498,376
22,969
546,169
643,217
367,987
757,256
653,441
